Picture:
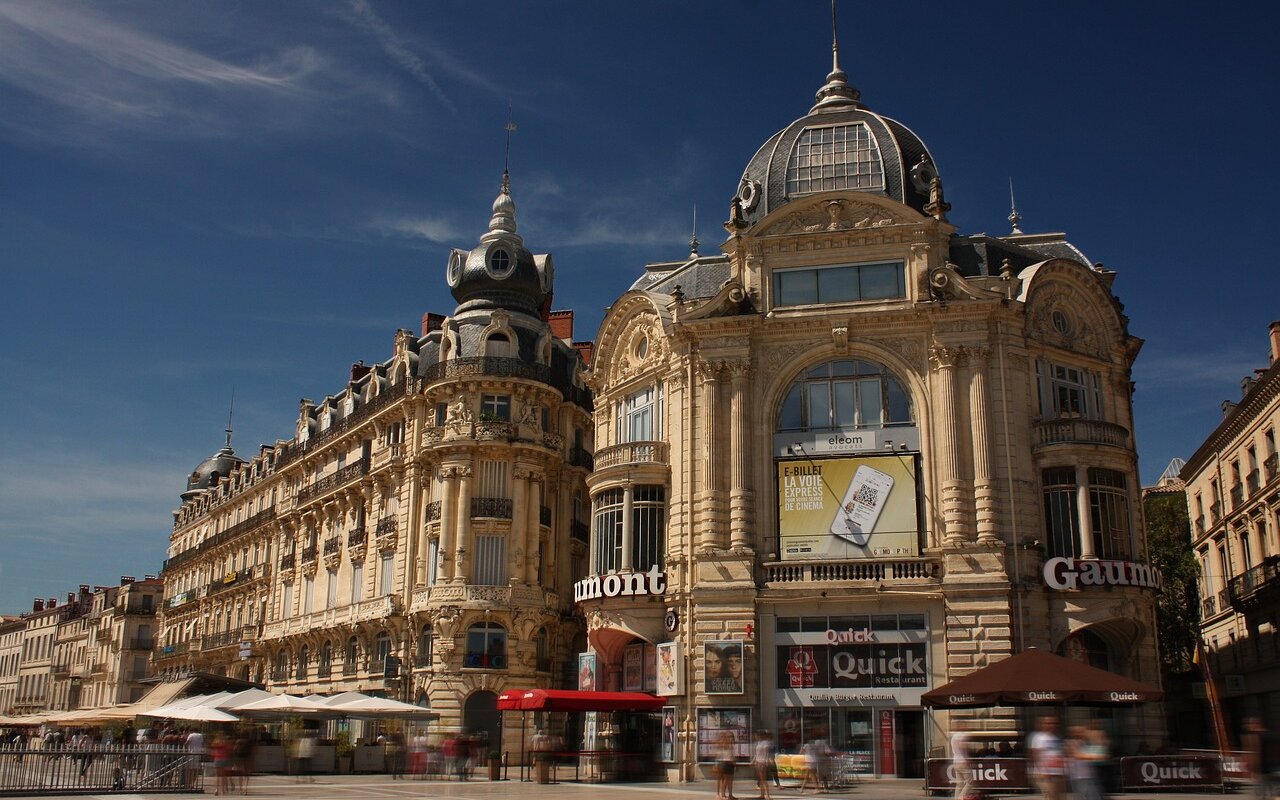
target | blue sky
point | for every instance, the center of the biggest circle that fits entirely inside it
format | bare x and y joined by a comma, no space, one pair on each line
200,196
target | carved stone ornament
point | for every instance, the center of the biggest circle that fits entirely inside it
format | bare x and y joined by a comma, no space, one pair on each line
1055,321
833,215
946,283
840,333
778,358
598,618
909,350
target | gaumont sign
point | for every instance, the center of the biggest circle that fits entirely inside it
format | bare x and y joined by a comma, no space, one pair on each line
1066,574
621,584
1161,772
1006,774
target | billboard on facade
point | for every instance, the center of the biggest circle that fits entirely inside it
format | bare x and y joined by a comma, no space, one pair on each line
670,670
587,672
856,507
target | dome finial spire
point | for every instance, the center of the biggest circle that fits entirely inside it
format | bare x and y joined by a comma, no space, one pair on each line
693,242
1014,216
230,412
503,221
510,128
837,91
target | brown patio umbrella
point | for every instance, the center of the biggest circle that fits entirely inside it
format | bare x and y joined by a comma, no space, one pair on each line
1037,677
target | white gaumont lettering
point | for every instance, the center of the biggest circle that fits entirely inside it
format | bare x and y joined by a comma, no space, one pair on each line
653,582
1066,574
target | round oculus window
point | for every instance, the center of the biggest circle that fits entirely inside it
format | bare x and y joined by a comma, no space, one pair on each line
1061,322
500,262
642,348
454,273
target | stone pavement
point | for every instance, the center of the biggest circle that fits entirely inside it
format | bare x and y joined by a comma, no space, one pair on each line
378,787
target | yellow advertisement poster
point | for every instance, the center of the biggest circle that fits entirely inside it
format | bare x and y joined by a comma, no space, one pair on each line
860,507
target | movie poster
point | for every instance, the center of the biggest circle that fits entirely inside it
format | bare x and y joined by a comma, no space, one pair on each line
669,734
857,507
587,672
670,671
633,668
722,668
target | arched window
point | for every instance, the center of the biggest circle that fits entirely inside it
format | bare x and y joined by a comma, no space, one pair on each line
304,656
842,395
279,667
498,346
381,649
350,656
834,157
326,660
425,647
486,646
542,650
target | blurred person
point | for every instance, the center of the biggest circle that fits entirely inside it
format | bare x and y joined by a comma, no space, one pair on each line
762,761
961,753
1261,757
1047,765
726,761
242,752
220,752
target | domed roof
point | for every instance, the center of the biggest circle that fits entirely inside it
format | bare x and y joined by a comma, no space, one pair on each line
839,145
220,464
500,272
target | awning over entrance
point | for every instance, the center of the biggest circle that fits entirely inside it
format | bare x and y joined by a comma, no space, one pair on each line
1037,677
569,700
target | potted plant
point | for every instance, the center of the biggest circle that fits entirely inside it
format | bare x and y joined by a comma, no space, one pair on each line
345,752
495,765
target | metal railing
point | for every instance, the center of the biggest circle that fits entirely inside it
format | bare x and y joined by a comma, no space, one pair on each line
330,482
433,511
287,561
332,546
242,527
99,769
1269,466
356,537
853,570
386,526
579,457
1237,496
1253,480
295,450
1252,580
1208,607
308,554
580,530
496,507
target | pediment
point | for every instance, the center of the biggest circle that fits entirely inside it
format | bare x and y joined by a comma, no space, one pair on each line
833,214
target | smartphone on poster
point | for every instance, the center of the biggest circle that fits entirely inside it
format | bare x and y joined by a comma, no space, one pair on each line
862,504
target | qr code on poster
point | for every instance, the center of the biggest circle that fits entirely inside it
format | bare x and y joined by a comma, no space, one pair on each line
867,495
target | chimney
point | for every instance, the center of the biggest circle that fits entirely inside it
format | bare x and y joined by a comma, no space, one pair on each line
359,370
1274,330
52,602
1246,383
1227,408
37,605
585,349
125,580
561,323
71,597
432,322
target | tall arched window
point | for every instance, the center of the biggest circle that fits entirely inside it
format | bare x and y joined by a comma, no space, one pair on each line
326,660
844,394
350,656
304,655
425,646
381,649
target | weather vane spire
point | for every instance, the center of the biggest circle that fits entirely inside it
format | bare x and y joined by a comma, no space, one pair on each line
506,160
693,242
230,412
837,91
835,40
1014,216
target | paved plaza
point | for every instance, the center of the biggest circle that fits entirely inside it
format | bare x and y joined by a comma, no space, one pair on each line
374,787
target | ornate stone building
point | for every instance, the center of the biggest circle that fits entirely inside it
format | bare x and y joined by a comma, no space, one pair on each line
858,454
418,533
1233,498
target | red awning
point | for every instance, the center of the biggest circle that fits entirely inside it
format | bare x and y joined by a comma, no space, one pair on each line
569,700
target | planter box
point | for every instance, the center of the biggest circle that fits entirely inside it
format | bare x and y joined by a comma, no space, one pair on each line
368,758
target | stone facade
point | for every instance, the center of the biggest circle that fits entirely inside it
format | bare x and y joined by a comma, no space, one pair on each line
848,336
1233,499
417,535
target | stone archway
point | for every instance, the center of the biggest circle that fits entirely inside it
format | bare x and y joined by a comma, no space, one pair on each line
480,715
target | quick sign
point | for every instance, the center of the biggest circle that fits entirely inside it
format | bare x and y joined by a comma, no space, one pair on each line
849,666
1007,774
1067,574
1160,772
621,584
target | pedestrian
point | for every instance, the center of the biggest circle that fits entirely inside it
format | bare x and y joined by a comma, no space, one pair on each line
1262,761
220,752
726,760
762,762
1047,764
810,757
961,754
242,752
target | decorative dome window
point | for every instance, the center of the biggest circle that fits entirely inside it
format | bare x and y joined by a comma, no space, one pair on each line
500,262
834,157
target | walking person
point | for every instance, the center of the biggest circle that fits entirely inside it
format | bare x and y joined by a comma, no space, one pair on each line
726,761
960,754
762,761
1047,764
1260,749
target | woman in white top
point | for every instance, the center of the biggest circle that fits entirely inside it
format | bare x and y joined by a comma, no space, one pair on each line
762,761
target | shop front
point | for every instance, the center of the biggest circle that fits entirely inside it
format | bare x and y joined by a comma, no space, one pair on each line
853,681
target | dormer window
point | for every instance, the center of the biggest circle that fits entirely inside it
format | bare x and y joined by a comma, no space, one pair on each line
834,157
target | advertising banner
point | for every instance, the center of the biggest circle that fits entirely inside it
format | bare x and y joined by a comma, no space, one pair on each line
670,670
723,665
856,507
587,672
669,734
993,774
633,668
1169,772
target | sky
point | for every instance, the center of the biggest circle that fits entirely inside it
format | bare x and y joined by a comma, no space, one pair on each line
198,199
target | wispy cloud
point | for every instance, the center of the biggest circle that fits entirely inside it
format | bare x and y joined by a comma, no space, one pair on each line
615,230
364,17
1223,369
110,74
433,229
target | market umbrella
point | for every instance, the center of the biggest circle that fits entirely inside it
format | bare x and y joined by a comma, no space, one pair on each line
200,714
285,704
234,701
1038,677
382,707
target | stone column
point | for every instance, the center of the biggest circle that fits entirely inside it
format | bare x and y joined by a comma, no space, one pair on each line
945,423
1083,514
710,537
984,494
628,529
519,521
465,545
532,532
740,493
448,501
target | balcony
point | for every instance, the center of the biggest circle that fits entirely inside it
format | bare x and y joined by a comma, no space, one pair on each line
1215,513
578,457
232,579
580,531
348,668
356,537
296,450
386,527
61,668
287,561
309,554
432,512
332,546
1256,585
494,507
234,532
378,608
631,453
1199,526
324,670
862,570
394,454
233,637
137,609
332,482
1253,481
1208,607
1237,497
1080,431
1270,466
173,650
